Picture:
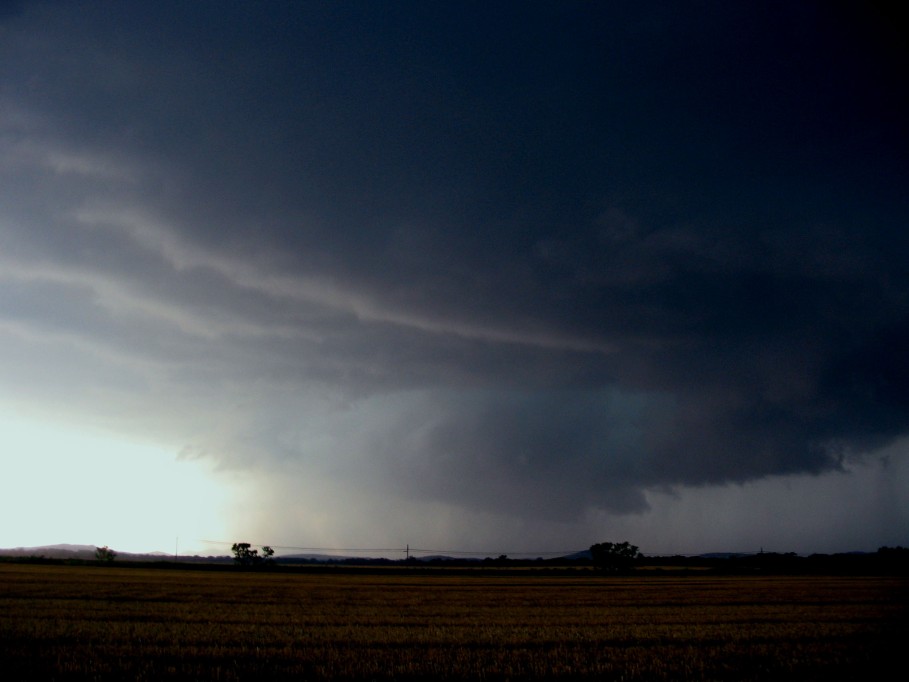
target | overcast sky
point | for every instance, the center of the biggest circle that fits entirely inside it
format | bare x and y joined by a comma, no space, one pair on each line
514,276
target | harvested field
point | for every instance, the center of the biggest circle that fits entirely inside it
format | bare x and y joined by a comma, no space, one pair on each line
84,622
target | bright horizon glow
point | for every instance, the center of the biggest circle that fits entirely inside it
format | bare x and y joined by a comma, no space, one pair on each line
70,485
83,486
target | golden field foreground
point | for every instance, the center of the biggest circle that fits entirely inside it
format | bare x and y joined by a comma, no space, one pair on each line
87,622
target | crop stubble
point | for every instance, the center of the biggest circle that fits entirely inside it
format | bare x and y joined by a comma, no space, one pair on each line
118,623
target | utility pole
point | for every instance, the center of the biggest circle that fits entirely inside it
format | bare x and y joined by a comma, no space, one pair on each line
408,551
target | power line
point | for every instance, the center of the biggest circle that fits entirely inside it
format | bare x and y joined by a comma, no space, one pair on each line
313,549
408,550
462,552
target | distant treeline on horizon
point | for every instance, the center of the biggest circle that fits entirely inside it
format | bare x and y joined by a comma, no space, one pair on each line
886,560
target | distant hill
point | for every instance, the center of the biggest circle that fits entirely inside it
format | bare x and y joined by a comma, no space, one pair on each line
62,551
87,553
312,557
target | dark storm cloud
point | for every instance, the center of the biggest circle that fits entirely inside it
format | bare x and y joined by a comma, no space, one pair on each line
541,256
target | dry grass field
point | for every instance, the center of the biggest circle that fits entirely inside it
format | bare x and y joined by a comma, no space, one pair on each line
84,622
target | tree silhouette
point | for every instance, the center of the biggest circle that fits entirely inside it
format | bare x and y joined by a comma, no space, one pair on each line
244,555
105,554
614,557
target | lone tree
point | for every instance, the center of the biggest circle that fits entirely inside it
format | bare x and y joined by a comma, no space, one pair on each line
614,557
244,555
105,554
